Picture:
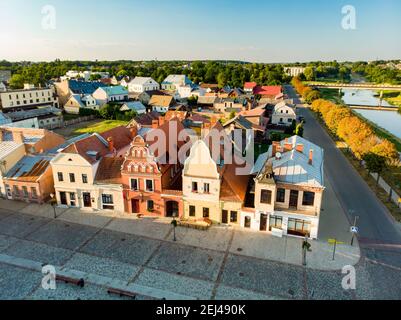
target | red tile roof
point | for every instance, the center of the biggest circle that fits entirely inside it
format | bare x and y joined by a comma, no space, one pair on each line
109,170
121,137
268,90
250,85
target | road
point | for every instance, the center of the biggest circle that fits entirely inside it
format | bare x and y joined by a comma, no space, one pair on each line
379,237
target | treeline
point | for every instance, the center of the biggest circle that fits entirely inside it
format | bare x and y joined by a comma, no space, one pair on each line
222,73
308,94
378,72
357,134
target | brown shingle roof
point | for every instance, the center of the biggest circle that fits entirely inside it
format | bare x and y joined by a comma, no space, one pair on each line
162,101
121,137
109,170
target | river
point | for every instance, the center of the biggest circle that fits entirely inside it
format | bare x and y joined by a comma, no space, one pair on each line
388,120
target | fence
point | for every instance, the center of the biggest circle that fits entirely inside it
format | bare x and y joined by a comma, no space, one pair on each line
393,196
78,120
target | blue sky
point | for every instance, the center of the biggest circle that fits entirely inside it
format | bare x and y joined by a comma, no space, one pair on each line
251,30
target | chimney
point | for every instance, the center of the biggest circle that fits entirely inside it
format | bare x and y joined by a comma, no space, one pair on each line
287,146
18,137
161,120
155,124
213,121
310,156
134,132
300,148
275,146
111,144
205,129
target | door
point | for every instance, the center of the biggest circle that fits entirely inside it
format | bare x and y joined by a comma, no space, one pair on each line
87,199
294,199
135,205
63,198
172,209
247,223
224,217
263,222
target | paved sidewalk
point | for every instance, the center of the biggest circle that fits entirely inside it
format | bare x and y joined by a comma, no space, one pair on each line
244,243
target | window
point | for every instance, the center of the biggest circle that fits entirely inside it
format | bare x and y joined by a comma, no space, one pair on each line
275,222
72,199
299,227
72,177
280,195
107,199
134,184
206,188
247,222
192,211
266,197
194,187
60,176
149,185
308,198
25,192
84,178
206,212
34,194
234,216
16,191
151,205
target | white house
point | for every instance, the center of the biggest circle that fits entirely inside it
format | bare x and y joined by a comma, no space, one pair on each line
105,95
142,84
284,114
136,106
77,101
173,81
31,97
288,192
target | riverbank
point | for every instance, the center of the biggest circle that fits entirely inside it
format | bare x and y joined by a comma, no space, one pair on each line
380,132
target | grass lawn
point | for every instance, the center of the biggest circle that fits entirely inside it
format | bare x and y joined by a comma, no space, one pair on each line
101,127
392,97
331,95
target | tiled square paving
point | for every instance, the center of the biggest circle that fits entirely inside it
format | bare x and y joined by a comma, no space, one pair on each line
263,276
20,225
122,247
16,283
39,252
141,227
193,288
229,293
186,260
326,286
71,292
216,238
102,266
63,235
6,241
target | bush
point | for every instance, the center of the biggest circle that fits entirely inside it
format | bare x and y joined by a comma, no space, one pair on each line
88,112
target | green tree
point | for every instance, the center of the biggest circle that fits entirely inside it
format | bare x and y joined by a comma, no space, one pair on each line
375,164
309,73
17,81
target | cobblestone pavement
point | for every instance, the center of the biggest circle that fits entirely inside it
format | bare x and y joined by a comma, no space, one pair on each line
182,268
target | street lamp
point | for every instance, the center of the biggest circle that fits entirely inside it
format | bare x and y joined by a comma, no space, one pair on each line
53,203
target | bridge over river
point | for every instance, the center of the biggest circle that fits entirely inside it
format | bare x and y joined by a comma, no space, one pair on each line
369,86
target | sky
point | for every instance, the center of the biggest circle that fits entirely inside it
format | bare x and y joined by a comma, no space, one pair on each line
249,30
